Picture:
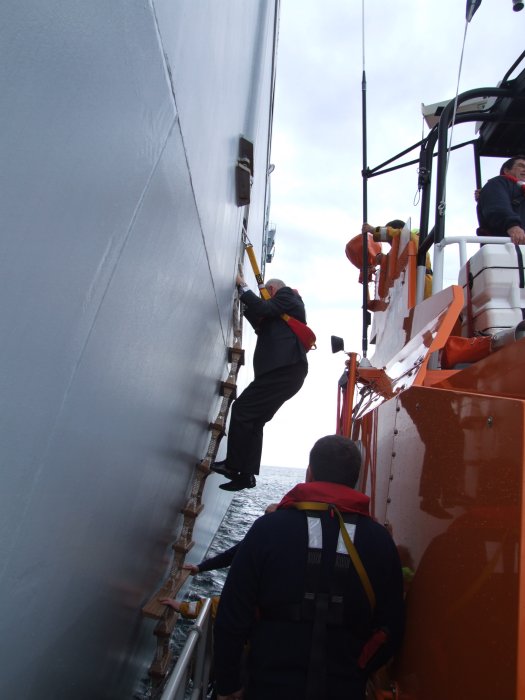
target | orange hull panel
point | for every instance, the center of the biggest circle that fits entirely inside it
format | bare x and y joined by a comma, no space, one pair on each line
444,468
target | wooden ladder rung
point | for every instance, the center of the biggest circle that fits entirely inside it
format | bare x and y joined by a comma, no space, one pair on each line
193,512
236,355
156,610
160,667
228,389
165,626
203,466
217,428
182,546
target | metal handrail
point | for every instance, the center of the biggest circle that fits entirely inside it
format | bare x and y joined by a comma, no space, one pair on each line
461,241
197,649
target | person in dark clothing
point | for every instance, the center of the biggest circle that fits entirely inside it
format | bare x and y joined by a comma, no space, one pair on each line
501,203
280,368
315,628
191,609
219,561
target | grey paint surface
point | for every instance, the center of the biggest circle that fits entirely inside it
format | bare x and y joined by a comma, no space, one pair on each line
119,241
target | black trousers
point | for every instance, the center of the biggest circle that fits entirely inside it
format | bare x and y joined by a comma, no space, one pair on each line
258,404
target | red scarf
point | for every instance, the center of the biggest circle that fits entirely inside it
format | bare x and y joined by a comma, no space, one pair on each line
520,183
346,499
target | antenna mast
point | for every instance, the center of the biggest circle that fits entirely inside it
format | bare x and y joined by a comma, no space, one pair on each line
365,193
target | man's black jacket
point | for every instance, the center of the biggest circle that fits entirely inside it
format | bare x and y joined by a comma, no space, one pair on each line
277,345
501,205
268,572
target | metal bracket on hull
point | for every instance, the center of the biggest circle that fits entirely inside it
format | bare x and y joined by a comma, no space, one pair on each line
244,172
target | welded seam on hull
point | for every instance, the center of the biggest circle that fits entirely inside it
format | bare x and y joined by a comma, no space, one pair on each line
169,76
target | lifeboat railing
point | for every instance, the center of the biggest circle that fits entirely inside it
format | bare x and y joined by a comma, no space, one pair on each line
194,662
439,254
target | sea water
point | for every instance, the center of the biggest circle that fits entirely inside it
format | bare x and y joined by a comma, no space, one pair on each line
245,508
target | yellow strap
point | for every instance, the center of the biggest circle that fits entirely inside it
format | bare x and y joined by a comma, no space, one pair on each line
350,547
264,292
255,267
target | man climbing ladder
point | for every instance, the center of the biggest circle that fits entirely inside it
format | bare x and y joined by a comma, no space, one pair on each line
280,368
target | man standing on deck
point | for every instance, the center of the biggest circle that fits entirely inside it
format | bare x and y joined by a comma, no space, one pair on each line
501,203
319,613
280,368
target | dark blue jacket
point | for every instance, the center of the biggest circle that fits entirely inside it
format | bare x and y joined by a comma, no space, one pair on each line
268,572
219,561
277,345
501,205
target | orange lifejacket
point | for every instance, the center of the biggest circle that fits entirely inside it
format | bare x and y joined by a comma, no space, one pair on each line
354,252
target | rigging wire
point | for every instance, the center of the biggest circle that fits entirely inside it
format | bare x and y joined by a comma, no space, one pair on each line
443,203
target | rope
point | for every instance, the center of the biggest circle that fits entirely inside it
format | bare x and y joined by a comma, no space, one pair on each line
166,617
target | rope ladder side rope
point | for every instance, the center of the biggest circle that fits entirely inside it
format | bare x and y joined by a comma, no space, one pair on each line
177,576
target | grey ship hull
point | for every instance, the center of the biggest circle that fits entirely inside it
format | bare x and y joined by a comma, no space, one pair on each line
120,238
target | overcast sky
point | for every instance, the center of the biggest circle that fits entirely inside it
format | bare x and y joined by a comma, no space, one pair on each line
412,56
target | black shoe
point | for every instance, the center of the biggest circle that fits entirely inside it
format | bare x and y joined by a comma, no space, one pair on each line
239,482
222,469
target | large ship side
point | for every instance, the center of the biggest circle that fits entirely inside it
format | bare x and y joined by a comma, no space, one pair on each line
121,236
